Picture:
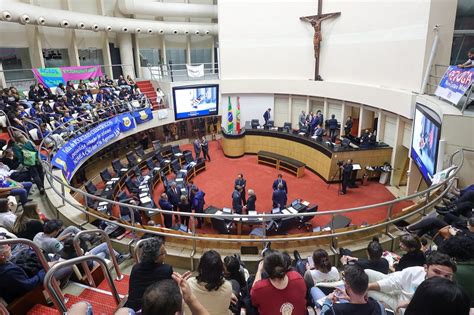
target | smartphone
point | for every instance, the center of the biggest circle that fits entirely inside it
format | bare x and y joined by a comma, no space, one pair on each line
310,262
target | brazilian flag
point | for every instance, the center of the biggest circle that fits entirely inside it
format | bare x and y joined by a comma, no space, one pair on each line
230,118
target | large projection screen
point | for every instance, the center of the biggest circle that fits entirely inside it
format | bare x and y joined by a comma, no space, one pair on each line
425,142
195,101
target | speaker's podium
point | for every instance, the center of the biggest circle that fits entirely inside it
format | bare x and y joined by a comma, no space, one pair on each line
352,180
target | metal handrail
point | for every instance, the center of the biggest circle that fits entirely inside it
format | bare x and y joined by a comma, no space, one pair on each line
138,245
425,193
77,246
41,258
56,294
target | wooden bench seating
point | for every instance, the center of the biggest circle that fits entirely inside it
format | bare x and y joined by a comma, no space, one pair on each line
281,162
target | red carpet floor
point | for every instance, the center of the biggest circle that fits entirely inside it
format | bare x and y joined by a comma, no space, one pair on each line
218,182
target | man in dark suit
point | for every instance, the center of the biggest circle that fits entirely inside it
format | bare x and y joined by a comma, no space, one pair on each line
348,126
266,116
280,181
166,205
242,182
197,148
279,197
332,125
250,206
237,200
318,133
174,197
346,175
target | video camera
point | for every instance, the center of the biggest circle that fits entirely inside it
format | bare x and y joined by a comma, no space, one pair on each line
340,163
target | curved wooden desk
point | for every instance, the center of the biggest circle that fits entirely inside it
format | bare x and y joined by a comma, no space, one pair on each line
319,157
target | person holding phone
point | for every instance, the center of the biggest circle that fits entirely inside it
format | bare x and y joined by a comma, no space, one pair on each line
353,298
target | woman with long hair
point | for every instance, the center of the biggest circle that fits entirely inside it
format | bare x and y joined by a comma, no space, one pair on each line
28,223
209,286
321,271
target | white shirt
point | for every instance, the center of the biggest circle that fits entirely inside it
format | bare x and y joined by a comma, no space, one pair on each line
403,283
7,220
331,276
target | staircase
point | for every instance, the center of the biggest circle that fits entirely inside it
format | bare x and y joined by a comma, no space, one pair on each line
147,88
101,300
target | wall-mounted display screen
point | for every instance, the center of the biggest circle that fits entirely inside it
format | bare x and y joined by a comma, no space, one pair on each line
425,142
195,101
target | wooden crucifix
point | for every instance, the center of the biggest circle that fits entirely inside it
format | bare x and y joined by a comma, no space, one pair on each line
315,21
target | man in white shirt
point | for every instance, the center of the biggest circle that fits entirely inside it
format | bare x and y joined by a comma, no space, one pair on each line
470,61
396,289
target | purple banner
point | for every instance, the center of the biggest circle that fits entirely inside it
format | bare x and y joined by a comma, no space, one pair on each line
51,77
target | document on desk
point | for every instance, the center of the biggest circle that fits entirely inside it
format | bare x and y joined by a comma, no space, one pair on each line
305,203
145,200
356,167
292,210
143,195
245,219
103,203
285,211
236,219
178,154
218,212
252,212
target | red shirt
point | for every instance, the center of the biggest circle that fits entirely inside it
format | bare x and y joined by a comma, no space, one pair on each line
272,301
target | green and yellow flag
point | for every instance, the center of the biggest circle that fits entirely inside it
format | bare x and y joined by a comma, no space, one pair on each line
230,118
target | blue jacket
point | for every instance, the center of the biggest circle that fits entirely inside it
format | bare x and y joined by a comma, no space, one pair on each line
237,201
332,123
283,182
198,201
279,198
266,116
16,283
165,204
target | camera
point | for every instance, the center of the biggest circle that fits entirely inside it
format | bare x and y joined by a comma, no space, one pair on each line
340,163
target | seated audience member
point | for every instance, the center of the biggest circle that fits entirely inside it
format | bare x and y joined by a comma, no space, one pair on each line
284,292
10,187
28,223
53,235
149,270
166,298
460,206
7,218
235,274
461,248
375,260
356,283
438,296
470,61
414,256
209,286
15,282
396,290
322,271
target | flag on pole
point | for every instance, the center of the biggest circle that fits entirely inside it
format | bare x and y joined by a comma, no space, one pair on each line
237,116
230,118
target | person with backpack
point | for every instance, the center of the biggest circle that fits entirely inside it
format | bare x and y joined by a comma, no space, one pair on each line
28,156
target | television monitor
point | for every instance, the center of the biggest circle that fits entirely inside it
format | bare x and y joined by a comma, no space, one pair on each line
425,141
195,101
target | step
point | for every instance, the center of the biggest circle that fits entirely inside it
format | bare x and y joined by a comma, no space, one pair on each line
102,298
122,285
99,308
40,309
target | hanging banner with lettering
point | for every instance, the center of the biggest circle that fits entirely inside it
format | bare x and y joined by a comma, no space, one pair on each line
455,82
143,115
51,77
80,148
195,71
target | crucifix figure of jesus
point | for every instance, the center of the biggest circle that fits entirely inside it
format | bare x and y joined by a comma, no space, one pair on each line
315,21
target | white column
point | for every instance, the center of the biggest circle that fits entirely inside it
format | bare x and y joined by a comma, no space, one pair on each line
34,46
136,49
163,50
325,112
126,55
380,123
308,101
290,105
361,122
399,127
343,118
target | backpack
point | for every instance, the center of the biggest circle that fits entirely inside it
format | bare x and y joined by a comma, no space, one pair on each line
29,156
